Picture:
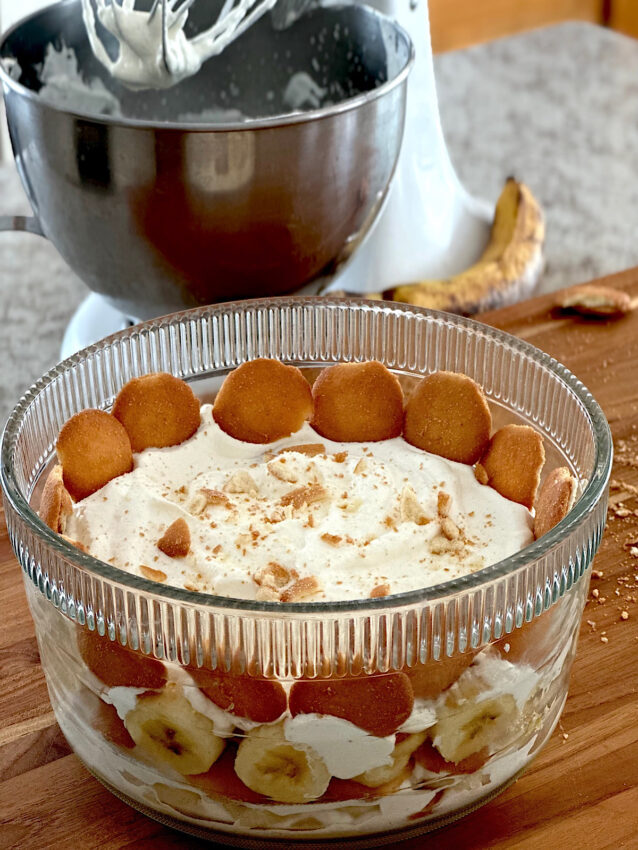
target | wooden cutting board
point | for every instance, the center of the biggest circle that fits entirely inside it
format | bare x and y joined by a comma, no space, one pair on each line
581,792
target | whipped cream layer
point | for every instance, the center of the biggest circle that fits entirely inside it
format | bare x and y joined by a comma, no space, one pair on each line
270,522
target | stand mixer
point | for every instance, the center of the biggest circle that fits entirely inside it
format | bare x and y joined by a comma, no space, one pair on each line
430,226
426,225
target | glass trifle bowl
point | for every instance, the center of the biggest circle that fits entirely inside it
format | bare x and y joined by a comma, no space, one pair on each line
356,721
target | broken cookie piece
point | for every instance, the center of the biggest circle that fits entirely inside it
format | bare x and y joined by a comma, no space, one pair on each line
410,509
301,496
595,301
305,589
176,540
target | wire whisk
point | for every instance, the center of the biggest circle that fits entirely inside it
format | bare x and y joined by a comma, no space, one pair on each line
154,51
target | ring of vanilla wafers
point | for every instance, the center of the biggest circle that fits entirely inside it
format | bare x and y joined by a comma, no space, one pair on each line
448,415
157,410
93,447
554,501
262,401
357,402
513,462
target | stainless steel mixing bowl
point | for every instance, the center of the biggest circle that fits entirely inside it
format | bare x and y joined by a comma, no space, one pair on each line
157,214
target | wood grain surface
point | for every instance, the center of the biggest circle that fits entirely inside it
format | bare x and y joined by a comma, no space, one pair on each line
459,23
581,792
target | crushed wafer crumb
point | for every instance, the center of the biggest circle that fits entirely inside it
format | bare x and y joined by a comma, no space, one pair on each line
275,576
305,588
361,467
449,529
282,471
215,497
151,574
310,449
443,504
441,545
301,496
241,482
410,509
266,594
331,539
197,505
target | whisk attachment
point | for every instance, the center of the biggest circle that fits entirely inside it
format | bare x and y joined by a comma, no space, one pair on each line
153,49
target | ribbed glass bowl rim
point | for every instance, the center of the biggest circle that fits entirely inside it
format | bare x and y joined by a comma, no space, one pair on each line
576,518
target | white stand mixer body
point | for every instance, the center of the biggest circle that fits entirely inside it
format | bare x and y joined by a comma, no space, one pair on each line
430,226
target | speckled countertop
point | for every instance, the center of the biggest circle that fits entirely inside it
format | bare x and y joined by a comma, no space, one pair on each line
556,107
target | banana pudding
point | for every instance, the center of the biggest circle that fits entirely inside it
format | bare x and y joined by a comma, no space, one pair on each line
307,519
281,493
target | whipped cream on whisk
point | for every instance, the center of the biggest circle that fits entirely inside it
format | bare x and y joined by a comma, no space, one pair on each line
154,51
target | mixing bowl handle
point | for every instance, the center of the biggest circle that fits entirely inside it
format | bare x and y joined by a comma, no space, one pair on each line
26,223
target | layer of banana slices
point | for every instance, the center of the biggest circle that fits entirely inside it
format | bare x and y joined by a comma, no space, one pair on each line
484,711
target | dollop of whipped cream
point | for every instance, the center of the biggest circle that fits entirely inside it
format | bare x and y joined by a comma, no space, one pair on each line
63,85
302,519
345,749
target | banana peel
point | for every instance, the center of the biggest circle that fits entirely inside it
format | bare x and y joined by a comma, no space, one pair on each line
507,270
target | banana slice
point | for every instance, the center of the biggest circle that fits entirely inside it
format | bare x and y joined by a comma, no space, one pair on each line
170,731
506,271
269,764
463,730
486,708
400,757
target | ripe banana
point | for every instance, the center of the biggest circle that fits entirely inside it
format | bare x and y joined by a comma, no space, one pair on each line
170,731
268,764
507,270
400,757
